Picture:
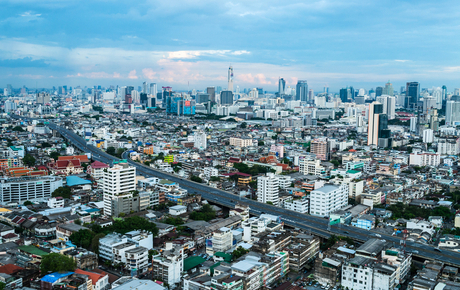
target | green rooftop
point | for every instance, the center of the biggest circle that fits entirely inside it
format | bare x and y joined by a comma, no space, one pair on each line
14,148
227,257
192,262
353,171
165,181
33,250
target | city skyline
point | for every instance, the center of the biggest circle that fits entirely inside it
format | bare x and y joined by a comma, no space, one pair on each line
338,43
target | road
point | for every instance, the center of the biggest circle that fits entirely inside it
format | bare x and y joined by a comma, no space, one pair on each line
316,225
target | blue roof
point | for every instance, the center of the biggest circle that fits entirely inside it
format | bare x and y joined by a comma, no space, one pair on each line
92,210
75,180
53,277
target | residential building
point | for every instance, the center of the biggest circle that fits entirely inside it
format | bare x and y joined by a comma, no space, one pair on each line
327,199
268,189
320,147
298,204
96,169
222,241
200,140
311,167
118,185
302,249
424,159
240,142
169,265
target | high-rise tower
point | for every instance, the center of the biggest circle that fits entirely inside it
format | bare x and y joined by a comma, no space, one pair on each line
282,86
230,79
302,91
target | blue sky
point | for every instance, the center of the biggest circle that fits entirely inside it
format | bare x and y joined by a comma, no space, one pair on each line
352,42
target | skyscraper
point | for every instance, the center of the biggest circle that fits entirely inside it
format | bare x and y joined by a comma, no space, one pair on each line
389,105
144,87
345,95
230,79
211,91
375,109
378,91
412,95
301,93
452,113
444,93
437,95
226,98
153,89
388,89
282,87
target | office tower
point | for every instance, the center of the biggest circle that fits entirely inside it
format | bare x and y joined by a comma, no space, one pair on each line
211,91
178,105
429,103
437,95
43,98
128,99
143,99
378,91
129,89
361,92
144,88
320,147
388,89
282,86
226,98
345,95
151,102
118,184
260,91
389,105
94,97
412,95
327,199
135,96
452,113
413,124
375,109
359,100
326,89
428,136
301,93
434,122
444,93
10,106
202,98
253,94
311,96
218,89
153,89
268,189
230,79
352,94
32,188
200,140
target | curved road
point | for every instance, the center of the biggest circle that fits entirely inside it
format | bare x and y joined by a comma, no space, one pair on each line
317,226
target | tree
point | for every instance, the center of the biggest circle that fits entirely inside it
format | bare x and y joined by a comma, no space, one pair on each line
152,253
261,143
29,160
215,178
55,155
244,125
240,251
83,238
95,242
269,202
63,191
55,262
111,150
196,179
18,129
119,152
175,221
46,145
206,213
28,202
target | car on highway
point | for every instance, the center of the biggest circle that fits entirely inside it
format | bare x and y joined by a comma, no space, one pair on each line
437,249
378,235
346,232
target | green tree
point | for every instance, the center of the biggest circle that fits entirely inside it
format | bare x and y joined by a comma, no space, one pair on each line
46,145
55,155
215,178
111,150
206,213
2,285
239,252
175,221
196,179
269,202
63,191
152,253
95,242
18,129
28,202
261,143
244,125
119,152
83,238
55,262
29,160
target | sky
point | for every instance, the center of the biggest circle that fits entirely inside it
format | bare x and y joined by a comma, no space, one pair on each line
191,43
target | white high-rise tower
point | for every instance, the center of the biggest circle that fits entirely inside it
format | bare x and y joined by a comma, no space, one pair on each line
230,79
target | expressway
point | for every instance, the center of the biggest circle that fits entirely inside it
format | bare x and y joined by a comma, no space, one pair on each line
317,226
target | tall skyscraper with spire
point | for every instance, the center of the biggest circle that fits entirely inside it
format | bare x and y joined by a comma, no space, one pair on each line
282,86
230,79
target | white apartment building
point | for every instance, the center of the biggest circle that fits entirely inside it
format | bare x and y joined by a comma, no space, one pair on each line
137,258
240,142
56,202
327,199
120,180
169,265
284,181
425,159
311,167
222,241
448,148
268,189
210,171
428,136
298,205
108,243
200,140
119,252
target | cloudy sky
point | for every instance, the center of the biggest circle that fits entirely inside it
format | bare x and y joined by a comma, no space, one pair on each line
179,42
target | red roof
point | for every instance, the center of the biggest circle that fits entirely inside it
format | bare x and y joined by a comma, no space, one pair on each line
93,276
9,236
10,269
98,164
62,164
82,158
